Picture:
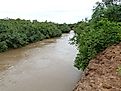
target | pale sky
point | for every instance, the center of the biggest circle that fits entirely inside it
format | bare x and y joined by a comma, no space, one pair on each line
59,11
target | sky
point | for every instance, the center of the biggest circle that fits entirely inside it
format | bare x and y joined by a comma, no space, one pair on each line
59,11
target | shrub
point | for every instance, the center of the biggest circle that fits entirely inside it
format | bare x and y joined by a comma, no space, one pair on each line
93,38
3,46
17,33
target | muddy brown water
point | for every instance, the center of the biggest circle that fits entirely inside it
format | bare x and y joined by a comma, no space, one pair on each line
43,66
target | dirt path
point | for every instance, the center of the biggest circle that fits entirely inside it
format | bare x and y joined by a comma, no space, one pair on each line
102,73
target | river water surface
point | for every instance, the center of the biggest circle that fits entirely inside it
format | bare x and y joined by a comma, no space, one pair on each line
43,66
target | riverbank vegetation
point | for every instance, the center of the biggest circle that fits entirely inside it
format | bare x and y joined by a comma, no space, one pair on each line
15,33
98,33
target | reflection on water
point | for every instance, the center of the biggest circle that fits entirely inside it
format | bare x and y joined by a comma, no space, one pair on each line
43,66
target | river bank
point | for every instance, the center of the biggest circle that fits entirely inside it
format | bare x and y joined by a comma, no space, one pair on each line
17,33
103,72
42,66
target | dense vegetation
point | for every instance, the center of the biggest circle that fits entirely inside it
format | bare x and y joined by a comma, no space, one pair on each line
16,33
103,30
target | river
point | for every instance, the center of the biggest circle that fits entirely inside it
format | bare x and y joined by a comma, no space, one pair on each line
42,66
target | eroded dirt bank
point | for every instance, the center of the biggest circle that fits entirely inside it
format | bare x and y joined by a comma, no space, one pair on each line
101,73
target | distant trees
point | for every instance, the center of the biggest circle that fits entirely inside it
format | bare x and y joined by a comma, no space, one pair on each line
16,33
64,27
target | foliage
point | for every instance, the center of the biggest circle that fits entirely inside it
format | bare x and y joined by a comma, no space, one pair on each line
111,11
16,33
64,28
93,36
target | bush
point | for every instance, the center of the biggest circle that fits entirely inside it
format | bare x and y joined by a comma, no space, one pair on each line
3,46
17,33
64,28
93,38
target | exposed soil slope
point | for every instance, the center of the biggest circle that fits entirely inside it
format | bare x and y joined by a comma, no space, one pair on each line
101,73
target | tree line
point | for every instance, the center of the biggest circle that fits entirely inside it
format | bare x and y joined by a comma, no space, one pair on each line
15,33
